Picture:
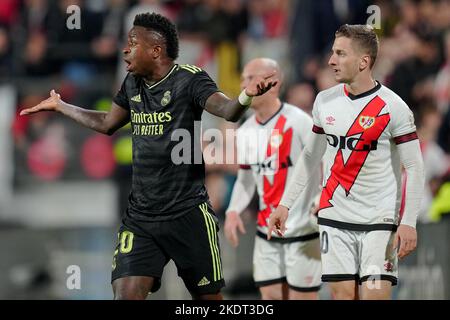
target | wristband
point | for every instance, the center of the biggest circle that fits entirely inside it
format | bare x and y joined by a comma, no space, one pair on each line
244,99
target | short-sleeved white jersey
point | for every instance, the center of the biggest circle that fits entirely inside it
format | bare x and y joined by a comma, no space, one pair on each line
362,171
271,150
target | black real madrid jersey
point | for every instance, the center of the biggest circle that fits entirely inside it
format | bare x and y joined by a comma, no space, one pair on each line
168,168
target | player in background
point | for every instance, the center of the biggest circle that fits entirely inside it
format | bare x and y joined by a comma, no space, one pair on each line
268,144
364,132
168,215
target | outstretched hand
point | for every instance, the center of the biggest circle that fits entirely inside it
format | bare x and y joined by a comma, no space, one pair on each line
261,84
50,104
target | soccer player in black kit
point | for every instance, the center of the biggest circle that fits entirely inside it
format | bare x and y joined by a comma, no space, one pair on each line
168,215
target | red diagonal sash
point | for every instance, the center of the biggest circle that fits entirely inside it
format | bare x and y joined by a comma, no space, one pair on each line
273,192
345,174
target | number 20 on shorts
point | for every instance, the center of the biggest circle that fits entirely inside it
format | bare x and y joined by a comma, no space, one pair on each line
126,242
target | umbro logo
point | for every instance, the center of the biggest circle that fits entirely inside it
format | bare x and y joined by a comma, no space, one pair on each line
136,98
389,266
330,120
203,282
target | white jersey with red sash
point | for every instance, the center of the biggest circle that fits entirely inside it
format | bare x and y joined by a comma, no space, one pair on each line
362,172
271,150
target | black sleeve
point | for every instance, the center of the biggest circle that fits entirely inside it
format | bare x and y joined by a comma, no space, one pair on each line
121,98
201,87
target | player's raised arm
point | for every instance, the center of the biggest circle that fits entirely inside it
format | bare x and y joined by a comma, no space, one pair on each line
103,122
232,109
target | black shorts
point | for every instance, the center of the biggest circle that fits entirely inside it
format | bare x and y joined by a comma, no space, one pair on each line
191,241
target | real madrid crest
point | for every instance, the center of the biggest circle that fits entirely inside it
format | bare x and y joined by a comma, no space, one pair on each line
166,98
366,122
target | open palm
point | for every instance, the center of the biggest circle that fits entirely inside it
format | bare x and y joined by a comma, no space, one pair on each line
260,85
50,104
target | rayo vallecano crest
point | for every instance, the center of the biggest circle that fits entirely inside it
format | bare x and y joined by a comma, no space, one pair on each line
166,98
276,140
366,122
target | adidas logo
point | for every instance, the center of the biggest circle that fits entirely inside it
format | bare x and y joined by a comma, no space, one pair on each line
136,98
203,282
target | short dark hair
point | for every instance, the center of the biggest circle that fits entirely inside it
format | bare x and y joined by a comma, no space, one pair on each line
364,36
162,25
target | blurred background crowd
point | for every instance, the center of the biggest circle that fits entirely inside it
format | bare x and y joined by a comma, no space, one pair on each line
63,188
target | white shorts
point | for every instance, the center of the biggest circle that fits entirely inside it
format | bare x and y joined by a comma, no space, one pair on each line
297,263
357,255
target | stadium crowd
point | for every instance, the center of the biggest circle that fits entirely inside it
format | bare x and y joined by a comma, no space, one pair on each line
38,52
